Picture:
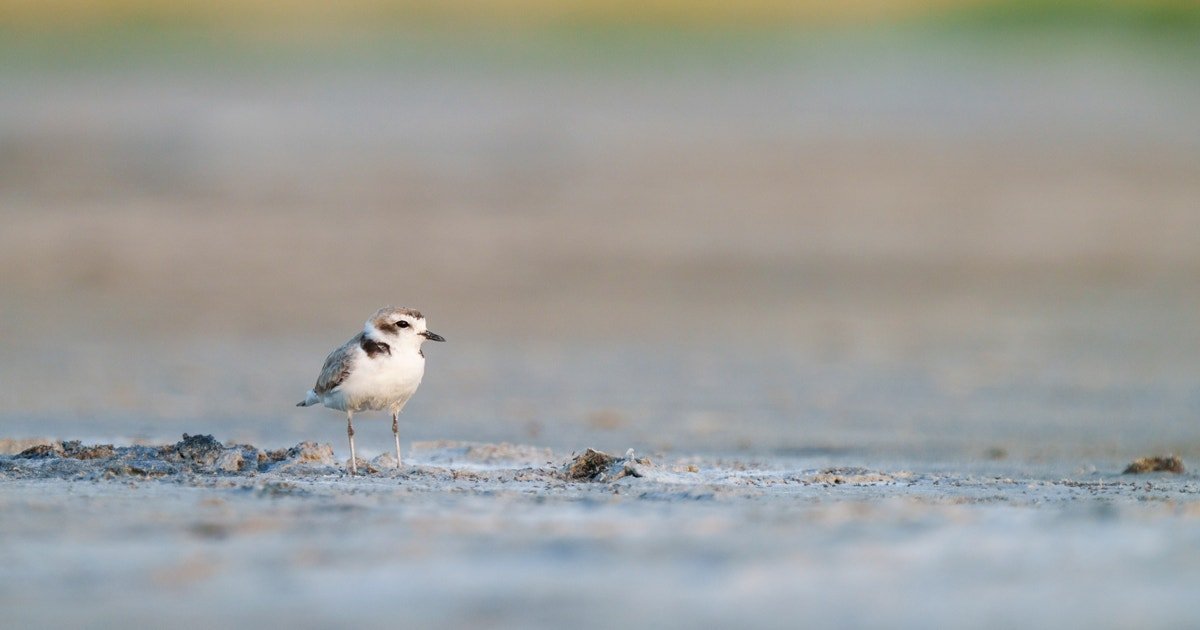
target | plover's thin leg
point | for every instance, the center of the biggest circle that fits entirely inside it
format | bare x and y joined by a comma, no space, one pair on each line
396,434
350,434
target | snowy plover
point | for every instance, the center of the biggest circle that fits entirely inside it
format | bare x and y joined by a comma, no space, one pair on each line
380,368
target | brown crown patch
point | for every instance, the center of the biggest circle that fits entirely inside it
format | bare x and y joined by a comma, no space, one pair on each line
388,314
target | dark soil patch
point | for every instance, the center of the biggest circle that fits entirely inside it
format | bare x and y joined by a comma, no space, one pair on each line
589,465
1168,463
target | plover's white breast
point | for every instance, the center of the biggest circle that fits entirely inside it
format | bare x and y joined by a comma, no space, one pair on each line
384,381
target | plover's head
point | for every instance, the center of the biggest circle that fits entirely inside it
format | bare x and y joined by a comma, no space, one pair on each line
399,325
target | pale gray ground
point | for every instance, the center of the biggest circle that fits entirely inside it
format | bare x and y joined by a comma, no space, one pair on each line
494,535
975,276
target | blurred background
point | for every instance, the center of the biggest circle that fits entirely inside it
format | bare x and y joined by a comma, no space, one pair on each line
926,228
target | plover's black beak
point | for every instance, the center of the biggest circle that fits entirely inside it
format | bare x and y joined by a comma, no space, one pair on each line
432,336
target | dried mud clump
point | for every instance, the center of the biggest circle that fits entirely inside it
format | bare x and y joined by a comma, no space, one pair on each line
199,449
303,457
266,458
203,453
595,465
41,451
141,467
73,449
193,455
588,466
312,453
77,450
303,453
1169,463
854,476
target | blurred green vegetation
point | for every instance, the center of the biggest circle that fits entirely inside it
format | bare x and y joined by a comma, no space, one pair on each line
1153,18
315,17
88,32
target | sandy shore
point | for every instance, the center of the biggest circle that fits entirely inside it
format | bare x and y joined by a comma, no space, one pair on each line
499,535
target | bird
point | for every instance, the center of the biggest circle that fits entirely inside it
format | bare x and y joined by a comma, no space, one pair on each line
379,368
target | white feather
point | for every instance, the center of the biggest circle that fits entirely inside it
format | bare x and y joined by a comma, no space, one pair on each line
382,382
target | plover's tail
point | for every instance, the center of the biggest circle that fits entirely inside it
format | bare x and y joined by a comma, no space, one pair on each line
310,399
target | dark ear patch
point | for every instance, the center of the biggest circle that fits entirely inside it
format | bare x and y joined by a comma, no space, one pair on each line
375,348
387,327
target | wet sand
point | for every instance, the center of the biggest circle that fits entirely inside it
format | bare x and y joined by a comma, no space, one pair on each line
470,534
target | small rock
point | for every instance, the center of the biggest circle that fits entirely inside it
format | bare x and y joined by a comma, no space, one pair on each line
1169,463
200,449
589,465
594,465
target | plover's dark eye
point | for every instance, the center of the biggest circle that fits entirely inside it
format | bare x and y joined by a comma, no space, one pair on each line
402,324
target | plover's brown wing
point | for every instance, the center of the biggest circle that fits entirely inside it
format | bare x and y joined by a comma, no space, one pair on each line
337,366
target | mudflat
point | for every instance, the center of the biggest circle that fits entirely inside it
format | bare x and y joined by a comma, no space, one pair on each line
514,536
883,325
